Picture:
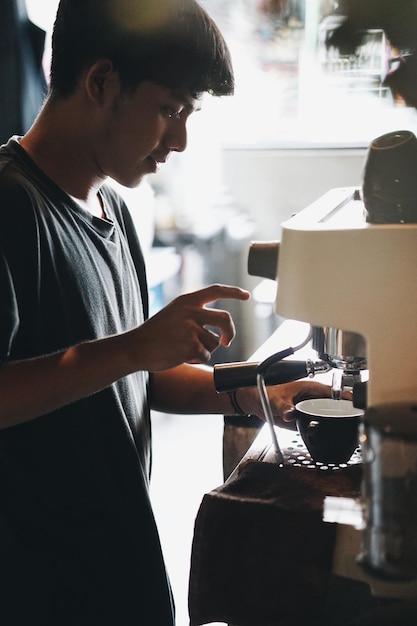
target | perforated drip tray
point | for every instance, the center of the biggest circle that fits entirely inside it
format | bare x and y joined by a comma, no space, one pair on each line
294,451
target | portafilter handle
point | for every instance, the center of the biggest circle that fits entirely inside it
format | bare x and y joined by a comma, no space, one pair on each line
230,376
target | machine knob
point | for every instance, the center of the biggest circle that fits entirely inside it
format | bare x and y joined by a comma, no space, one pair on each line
263,259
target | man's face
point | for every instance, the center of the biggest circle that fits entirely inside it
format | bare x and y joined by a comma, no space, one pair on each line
141,129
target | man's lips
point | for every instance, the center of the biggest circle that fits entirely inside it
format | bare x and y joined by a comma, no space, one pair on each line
156,161
159,159
153,164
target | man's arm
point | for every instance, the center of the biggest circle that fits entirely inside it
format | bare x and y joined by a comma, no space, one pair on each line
175,335
191,389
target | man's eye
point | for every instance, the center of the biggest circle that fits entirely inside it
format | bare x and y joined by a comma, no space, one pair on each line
173,115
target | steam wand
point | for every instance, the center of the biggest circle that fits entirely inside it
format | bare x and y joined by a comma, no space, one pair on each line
263,394
266,406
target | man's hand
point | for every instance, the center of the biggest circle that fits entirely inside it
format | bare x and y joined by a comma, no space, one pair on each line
283,399
182,332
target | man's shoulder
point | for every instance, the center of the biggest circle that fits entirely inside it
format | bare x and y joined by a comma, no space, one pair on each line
12,174
15,197
22,188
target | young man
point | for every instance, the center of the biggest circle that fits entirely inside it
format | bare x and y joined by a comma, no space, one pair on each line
81,364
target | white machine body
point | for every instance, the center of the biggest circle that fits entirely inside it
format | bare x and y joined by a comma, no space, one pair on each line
337,270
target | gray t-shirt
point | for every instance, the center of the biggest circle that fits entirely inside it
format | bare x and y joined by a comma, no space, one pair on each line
78,539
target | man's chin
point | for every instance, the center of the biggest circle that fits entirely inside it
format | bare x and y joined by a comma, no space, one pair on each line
132,183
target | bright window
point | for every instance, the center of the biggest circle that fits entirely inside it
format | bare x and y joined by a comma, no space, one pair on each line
293,91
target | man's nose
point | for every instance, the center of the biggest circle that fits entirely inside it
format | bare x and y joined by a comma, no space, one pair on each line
176,136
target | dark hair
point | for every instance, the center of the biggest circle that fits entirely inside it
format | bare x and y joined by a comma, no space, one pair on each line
171,42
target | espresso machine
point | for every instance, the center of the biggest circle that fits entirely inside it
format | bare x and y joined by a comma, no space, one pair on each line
346,266
349,276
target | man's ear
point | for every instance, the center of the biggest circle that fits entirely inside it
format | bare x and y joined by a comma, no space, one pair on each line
101,79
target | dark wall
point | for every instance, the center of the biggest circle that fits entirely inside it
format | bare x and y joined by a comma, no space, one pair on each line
22,81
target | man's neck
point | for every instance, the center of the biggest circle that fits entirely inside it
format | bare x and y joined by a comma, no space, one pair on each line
93,205
59,151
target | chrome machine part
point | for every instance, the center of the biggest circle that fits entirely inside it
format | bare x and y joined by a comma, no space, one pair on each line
341,349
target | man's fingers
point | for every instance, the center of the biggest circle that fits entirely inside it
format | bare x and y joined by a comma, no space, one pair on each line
218,292
216,321
210,339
